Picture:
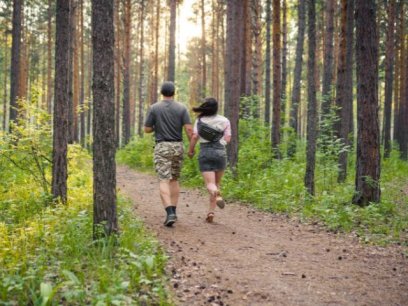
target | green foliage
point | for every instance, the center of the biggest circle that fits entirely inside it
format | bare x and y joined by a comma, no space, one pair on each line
277,186
138,153
29,146
47,255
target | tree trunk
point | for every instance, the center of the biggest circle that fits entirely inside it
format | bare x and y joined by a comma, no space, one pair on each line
203,50
141,71
75,72
118,70
71,110
15,69
268,64
49,56
126,73
24,62
5,80
312,105
328,60
89,86
156,55
172,42
232,76
397,72
104,113
404,115
344,98
389,69
403,77
82,92
214,51
277,78
61,91
293,120
284,61
256,13
368,144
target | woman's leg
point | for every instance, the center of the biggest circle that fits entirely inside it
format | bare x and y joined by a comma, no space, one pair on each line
219,201
210,183
218,177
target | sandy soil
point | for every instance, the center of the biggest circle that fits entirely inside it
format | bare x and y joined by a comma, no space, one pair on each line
247,257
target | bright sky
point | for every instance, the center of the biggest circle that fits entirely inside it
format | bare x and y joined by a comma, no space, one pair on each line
188,28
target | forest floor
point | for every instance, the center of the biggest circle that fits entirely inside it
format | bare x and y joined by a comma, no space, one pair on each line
248,257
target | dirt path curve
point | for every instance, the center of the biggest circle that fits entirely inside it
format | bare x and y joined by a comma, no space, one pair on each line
249,257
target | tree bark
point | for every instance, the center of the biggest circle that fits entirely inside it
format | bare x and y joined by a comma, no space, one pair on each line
156,55
367,187
49,56
328,60
118,70
5,80
403,76
312,105
203,50
389,70
126,72
293,121
344,98
284,62
232,76
404,115
256,13
268,64
104,146
172,42
75,71
15,69
82,92
277,78
61,100
141,71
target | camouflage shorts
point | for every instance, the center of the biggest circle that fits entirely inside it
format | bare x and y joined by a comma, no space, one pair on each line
168,159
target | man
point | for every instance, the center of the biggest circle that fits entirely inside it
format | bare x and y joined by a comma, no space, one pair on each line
167,119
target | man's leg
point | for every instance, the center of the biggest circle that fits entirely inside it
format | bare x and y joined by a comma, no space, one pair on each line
165,193
162,162
174,187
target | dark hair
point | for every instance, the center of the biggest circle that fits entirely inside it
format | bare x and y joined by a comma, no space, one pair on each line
208,108
168,89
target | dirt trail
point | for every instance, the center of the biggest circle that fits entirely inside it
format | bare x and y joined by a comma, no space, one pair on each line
249,257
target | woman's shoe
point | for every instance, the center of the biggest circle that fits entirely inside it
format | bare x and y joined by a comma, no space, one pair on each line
220,201
210,217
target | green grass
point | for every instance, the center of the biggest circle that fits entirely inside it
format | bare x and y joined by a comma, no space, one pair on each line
48,257
277,186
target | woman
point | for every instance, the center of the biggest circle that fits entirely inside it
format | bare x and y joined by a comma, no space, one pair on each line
213,131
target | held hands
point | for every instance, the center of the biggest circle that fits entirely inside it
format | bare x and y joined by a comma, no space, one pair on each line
191,153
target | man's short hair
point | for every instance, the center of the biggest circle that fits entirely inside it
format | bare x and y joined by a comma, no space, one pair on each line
168,89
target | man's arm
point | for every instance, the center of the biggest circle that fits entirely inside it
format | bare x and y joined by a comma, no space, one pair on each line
189,130
193,142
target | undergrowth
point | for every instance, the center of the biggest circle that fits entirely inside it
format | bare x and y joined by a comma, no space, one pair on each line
47,254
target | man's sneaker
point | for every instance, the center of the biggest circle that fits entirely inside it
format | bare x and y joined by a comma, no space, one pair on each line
170,219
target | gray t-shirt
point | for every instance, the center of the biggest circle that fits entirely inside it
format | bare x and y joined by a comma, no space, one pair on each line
167,118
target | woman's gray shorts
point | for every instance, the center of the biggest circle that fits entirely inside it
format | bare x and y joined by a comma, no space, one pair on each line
212,157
